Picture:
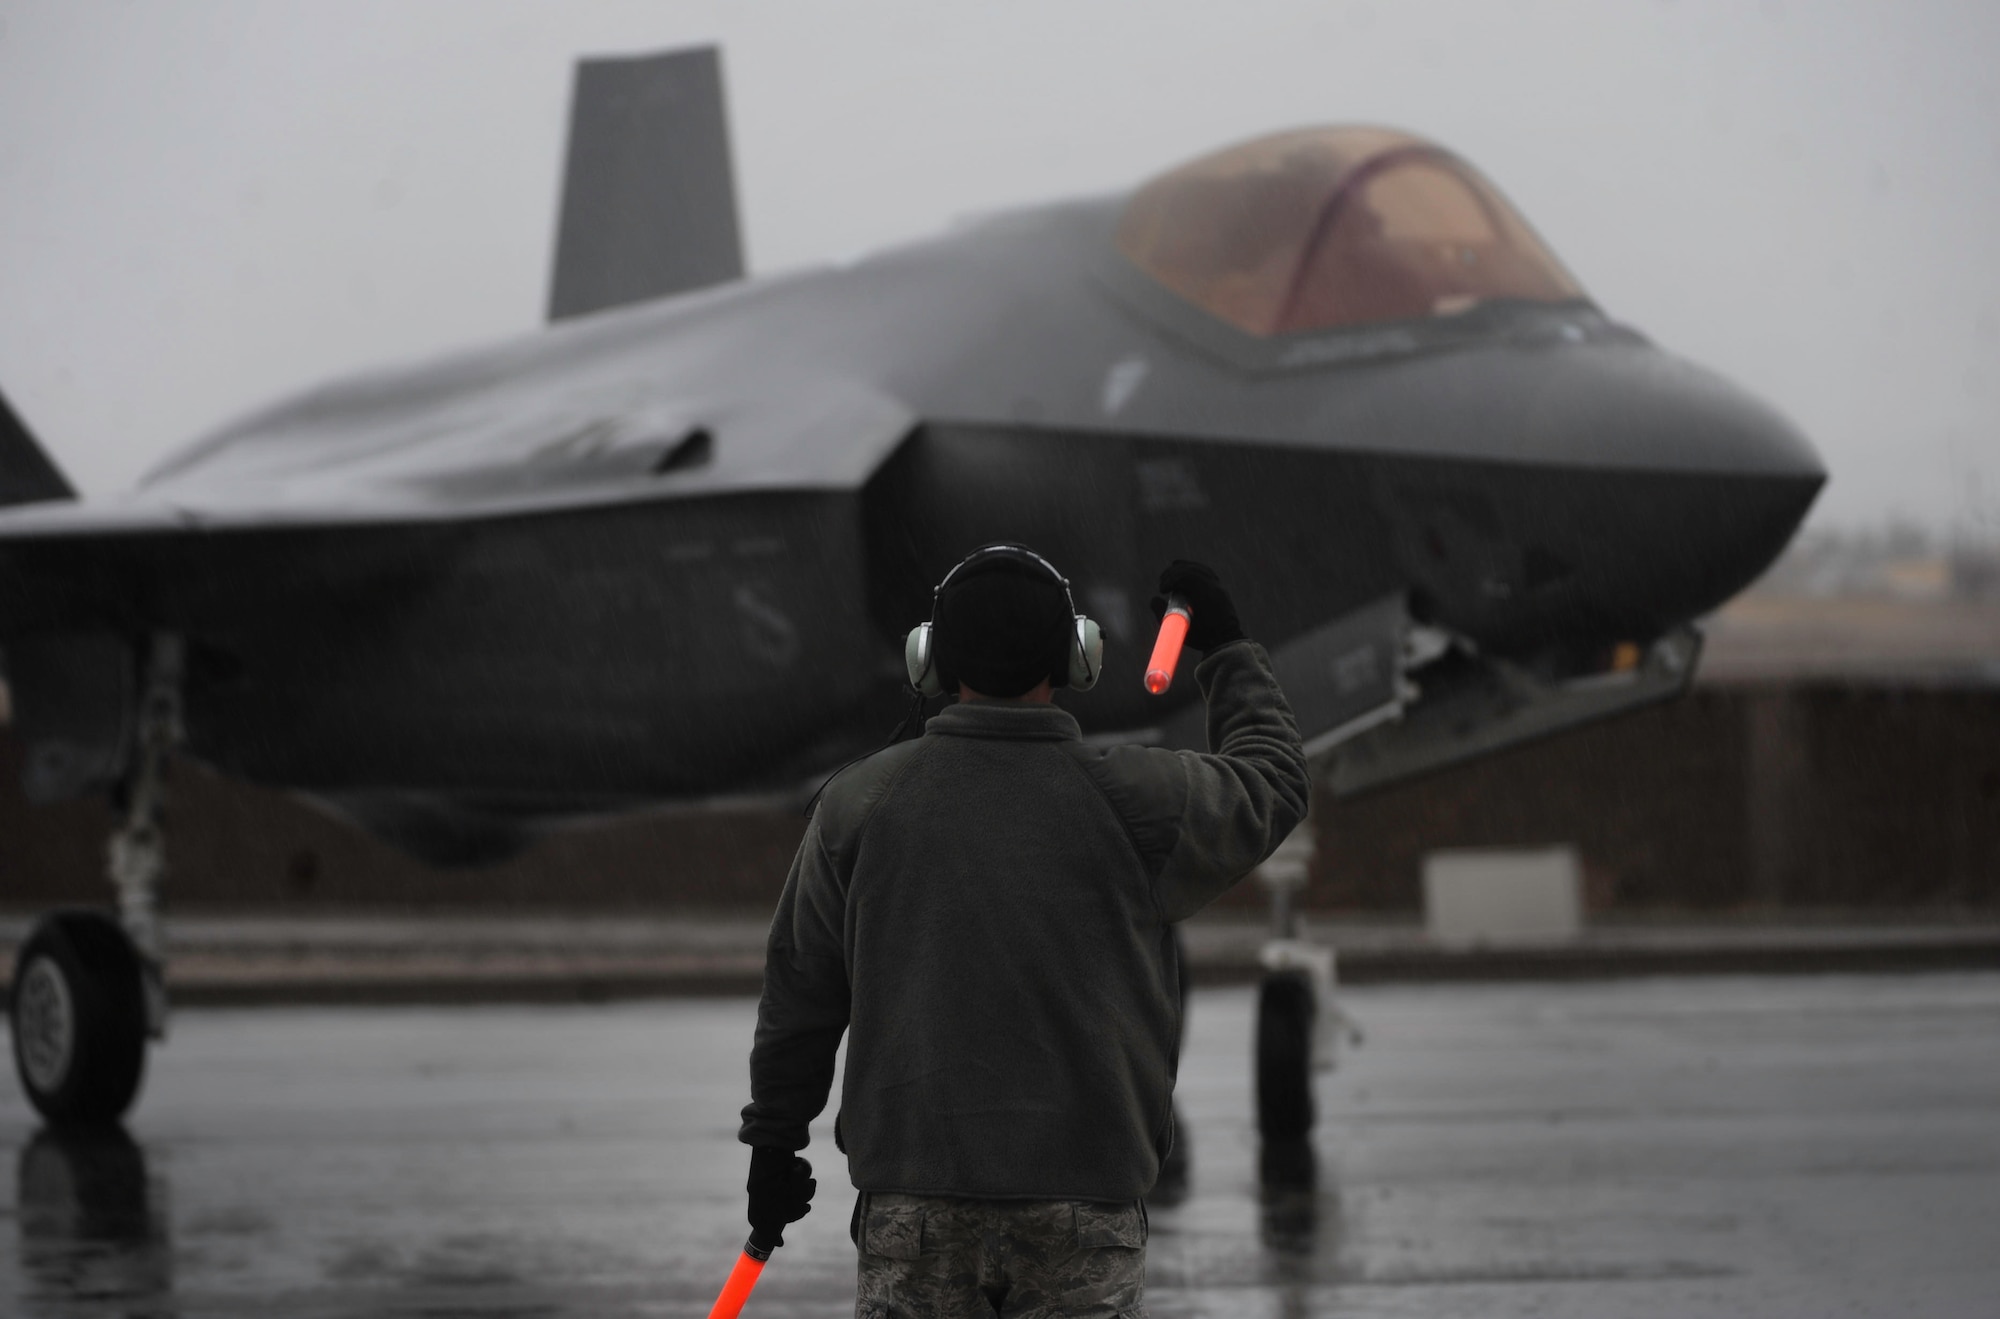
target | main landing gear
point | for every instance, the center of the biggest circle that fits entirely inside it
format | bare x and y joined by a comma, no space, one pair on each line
88,990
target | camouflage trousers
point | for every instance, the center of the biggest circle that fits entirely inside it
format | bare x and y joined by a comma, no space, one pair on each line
932,1257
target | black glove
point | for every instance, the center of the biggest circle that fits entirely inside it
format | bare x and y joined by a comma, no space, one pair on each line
781,1190
1212,618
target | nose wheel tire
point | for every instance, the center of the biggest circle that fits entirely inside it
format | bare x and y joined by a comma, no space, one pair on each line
78,1013
1285,1009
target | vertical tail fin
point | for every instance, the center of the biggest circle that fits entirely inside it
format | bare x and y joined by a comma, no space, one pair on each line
27,475
649,198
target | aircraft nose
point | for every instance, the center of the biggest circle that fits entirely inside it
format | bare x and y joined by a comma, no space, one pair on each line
1721,481
1644,492
1632,405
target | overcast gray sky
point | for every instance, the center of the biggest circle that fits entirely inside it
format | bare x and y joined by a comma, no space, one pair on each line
205,203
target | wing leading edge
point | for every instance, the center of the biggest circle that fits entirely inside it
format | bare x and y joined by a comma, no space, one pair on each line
518,453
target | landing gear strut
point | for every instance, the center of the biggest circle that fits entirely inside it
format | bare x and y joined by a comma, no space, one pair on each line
88,990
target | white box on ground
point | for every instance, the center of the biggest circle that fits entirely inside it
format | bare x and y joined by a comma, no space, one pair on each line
1503,896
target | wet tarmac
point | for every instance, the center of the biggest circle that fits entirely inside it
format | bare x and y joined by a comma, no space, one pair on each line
250,959
1807,1147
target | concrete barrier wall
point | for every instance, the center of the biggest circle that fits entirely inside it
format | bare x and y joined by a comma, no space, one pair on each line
1762,796
232,845
1733,796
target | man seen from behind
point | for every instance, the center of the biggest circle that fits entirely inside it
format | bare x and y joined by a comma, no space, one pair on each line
987,911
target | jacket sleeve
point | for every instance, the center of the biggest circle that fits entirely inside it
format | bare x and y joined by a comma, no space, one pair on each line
1246,794
804,1007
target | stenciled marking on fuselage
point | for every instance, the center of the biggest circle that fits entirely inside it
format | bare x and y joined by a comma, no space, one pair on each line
768,632
1168,484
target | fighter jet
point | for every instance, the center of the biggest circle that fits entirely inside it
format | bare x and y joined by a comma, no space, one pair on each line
666,549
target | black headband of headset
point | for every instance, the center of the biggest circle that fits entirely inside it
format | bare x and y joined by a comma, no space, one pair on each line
1002,556
996,554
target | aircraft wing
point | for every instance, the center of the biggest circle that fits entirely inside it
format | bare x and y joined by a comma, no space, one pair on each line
503,453
349,489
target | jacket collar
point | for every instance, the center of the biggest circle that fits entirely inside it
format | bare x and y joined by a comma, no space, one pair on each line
1015,723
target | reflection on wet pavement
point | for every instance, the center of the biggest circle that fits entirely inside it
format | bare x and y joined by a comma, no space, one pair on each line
93,1223
1672,1148
1289,1196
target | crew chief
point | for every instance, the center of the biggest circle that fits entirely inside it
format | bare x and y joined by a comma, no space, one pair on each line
986,908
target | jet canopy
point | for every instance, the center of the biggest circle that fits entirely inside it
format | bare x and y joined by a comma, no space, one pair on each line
1328,227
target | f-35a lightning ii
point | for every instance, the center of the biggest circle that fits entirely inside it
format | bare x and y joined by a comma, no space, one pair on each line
666,549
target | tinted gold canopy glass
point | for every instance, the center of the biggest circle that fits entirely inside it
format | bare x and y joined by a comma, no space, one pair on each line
1327,227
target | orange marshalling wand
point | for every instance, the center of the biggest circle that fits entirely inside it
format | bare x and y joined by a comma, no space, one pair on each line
1167,649
749,1267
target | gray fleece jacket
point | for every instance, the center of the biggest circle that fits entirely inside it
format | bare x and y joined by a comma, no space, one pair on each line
986,909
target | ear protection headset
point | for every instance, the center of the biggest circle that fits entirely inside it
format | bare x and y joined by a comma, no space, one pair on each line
1086,640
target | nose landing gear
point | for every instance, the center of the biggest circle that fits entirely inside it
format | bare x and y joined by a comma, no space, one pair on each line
1299,1019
